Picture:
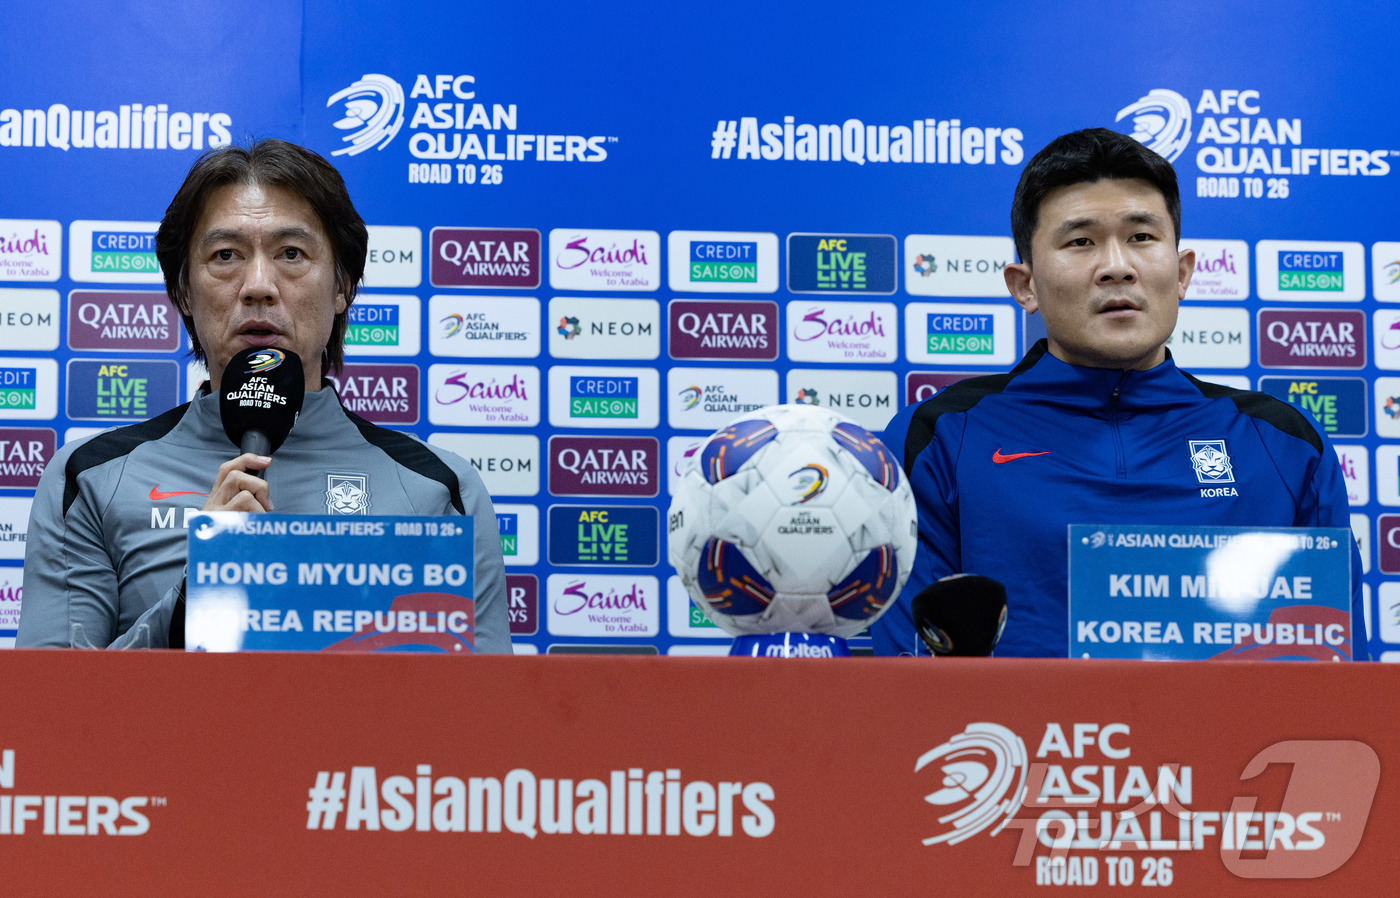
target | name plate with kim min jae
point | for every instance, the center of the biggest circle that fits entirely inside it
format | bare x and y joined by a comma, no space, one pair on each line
1194,593
330,583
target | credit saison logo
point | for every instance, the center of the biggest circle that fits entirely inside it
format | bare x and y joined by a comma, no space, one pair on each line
1328,271
113,251
1086,787
1310,271
923,140
722,261
714,261
603,397
135,126
370,324
625,802
70,815
960,333
123,251
509,527
17,388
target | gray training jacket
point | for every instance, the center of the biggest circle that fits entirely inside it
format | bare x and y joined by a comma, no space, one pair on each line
105,556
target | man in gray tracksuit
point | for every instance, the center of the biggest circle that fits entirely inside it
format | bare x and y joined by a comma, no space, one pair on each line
261,247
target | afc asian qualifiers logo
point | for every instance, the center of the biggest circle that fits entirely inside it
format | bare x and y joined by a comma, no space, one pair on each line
1161,121
984,781
374,105
1211,460
1086,789
347,494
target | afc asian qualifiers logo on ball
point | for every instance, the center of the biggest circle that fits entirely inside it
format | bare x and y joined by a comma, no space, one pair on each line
374,105
1161,121
983,783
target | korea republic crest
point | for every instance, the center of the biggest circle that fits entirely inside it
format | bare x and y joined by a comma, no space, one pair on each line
347,494
1211,460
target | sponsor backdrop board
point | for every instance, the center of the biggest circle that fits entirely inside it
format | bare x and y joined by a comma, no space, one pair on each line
357,782
583,228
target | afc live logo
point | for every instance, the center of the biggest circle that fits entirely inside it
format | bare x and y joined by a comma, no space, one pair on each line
603,535
842,263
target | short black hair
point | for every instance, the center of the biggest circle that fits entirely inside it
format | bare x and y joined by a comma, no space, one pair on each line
275,163
1084,157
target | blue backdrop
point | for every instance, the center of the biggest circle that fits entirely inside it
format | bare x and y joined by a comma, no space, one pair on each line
649,138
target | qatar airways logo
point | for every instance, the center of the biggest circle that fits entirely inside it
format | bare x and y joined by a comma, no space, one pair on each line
603,605
850,332
713,329
484,395
1312,338
122,321
384,394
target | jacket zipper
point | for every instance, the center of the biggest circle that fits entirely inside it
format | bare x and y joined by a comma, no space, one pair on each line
1119,457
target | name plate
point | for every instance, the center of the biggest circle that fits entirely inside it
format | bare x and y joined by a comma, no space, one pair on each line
1193,593
329,583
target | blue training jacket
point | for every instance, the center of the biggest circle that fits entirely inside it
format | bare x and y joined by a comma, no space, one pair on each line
1001,465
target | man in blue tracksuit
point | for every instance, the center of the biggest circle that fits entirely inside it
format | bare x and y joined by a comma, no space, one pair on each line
1096,424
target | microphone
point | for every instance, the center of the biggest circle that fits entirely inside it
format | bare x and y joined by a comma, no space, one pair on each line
961,616
260,396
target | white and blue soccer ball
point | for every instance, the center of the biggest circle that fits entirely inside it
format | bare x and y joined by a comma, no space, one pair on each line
792,519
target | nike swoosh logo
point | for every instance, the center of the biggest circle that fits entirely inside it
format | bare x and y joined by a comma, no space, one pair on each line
1000,459
157,495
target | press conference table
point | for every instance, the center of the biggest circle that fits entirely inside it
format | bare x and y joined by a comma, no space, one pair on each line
259,773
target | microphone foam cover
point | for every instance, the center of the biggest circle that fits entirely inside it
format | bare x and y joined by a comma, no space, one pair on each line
962,615
262,389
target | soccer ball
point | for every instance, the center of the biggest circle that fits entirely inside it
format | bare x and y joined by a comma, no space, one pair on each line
792,519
